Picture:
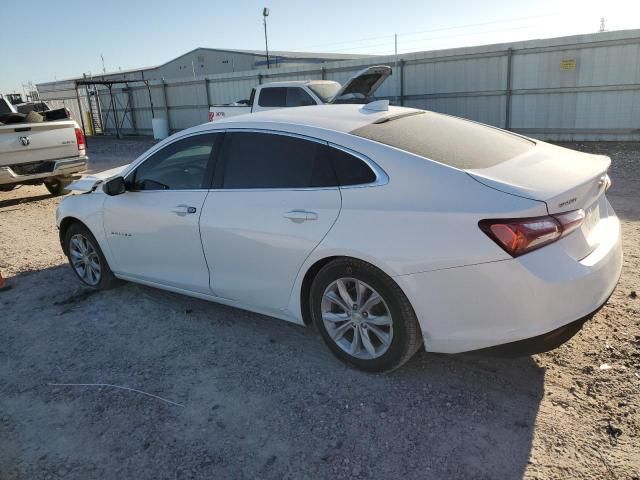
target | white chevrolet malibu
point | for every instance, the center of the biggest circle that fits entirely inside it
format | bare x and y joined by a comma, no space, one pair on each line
385,227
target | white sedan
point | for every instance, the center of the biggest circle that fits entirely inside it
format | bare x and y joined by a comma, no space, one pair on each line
385,227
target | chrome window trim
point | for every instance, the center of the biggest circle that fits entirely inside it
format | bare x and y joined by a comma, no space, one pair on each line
191,190
276,132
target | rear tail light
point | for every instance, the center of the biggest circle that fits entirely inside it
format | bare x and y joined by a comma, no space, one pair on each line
570,220
80,141
518,236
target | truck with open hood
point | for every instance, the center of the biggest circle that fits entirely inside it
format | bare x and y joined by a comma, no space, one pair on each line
359,89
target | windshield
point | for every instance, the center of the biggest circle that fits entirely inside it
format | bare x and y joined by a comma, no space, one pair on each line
325,90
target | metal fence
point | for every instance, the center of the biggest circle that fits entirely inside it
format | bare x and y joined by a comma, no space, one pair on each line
584,87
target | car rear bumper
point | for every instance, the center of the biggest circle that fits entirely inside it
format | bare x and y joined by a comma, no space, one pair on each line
539,296
541,343
51,168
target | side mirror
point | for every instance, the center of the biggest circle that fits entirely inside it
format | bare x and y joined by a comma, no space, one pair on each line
115,186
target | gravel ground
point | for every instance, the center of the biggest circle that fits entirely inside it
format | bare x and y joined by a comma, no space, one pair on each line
239,395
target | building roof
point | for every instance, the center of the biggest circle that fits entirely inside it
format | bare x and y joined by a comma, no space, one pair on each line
272,54
99,75
286,54
257,53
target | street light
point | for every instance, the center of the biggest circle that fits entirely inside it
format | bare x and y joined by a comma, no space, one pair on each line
265,14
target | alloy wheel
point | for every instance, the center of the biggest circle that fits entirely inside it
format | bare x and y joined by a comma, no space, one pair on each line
85,259
357,318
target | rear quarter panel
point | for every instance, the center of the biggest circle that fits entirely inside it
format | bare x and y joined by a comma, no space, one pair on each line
424,219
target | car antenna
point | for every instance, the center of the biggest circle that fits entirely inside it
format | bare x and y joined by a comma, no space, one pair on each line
377,106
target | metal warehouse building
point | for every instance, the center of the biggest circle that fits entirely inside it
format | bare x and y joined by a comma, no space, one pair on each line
197,63
580,87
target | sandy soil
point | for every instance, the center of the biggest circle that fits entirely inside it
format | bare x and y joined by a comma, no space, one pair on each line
247,396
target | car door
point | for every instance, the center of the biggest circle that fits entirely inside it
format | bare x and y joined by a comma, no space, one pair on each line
152,228
275,198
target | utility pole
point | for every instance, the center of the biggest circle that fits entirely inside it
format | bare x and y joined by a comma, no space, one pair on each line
104,70
603,25
395,41
265,14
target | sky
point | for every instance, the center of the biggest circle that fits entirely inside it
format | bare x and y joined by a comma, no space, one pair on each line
45,40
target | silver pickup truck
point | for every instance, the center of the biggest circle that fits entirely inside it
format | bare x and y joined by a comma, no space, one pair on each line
39,152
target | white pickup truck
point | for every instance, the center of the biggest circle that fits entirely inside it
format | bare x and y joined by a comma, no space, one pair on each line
358,89
39,152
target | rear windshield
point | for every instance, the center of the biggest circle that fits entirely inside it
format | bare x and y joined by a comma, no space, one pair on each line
449,140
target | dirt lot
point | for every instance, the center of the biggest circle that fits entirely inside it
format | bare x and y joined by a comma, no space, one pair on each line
247,396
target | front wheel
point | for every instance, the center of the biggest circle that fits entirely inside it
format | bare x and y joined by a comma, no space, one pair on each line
86,258
363,316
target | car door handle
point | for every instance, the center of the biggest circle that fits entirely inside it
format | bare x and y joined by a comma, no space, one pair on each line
182,210
299,216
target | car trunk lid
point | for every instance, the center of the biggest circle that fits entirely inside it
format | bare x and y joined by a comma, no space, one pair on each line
564,179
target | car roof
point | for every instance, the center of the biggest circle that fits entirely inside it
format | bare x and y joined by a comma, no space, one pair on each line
340,118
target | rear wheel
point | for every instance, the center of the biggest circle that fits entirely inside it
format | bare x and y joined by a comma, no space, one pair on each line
363,316
57,186
86,259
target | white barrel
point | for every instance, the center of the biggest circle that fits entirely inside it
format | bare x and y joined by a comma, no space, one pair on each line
160,128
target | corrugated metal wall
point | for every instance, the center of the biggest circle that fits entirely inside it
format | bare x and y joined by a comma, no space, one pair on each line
584,87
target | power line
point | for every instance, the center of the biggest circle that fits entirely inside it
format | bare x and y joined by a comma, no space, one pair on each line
432,30
468,34
483,23
421,40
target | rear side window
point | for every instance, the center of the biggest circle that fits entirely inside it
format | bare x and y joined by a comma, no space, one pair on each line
264,160
448,140
350,170
273,97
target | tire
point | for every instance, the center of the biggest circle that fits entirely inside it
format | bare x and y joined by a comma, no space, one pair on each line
391,341
7,188
57,186
77,238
